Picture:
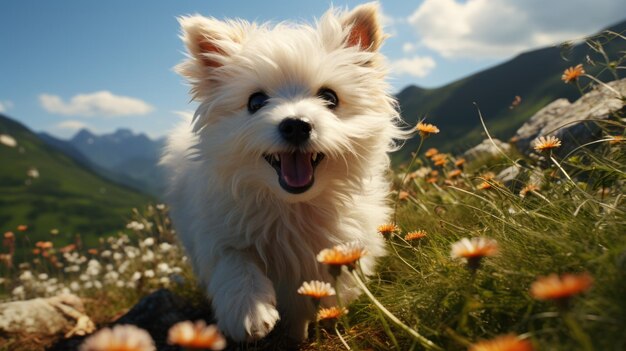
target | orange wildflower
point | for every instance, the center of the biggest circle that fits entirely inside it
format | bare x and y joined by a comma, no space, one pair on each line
438,157
36,252
431,180
92,251
120,338
488,176
426,129
485,186
616,139
441,162
459,162
44,245
68,248
22,227
431,152
403,195
528,189
546,143
331,313
454,173
196,336
414,235
554,287
316,289
341,255
507,342
387,229
572,73
7,260
9,235
474,249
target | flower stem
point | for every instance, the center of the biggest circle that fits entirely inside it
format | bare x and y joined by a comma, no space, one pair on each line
342,318
317,334
406,174
316,303
395,250
429,345
388,330
343,341
577,332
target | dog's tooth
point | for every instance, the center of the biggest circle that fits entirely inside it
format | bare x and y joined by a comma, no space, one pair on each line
314,156
276,158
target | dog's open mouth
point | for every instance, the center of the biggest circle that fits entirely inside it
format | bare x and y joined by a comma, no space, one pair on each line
295,169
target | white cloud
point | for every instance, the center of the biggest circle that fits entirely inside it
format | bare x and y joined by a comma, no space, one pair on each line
502,28
100,103
418,66
408,48
71,125
5,105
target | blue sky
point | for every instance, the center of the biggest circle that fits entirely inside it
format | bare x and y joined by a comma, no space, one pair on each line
108,64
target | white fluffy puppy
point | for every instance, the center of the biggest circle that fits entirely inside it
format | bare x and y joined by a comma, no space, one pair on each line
286,155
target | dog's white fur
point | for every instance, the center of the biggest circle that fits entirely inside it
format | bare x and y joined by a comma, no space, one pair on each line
251,243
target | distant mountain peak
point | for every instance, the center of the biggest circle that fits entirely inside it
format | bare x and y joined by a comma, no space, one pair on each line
84,136
123,133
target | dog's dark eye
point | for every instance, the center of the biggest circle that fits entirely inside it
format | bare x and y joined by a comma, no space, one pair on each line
256,101
329,96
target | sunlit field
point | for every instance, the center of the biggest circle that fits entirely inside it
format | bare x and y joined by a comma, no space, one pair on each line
478,262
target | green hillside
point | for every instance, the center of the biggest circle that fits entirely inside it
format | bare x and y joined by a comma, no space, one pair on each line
65,196
534,76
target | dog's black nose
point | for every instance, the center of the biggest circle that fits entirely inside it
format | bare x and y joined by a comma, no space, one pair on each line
294,130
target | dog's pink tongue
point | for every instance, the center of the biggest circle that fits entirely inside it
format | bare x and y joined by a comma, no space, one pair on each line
296,168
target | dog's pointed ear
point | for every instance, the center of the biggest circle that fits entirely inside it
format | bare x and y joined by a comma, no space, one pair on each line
210,42
365,29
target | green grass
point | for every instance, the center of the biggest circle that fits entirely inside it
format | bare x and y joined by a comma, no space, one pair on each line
572,226
65,196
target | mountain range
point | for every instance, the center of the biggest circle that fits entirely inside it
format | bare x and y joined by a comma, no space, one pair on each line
122,156
507,94
45,188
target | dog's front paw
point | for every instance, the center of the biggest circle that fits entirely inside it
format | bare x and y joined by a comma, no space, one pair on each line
248,320
260,320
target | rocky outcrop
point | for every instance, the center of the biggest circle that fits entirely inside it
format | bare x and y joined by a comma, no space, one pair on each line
486,149
45,317
574,123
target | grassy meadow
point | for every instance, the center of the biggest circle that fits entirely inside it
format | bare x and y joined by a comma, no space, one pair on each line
54,197
563,218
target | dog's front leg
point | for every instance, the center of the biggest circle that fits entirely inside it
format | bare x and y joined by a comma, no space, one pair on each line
244,300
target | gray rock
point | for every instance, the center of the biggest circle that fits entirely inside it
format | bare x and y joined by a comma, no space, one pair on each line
516,177
509,175
574,123
486,149
45,317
